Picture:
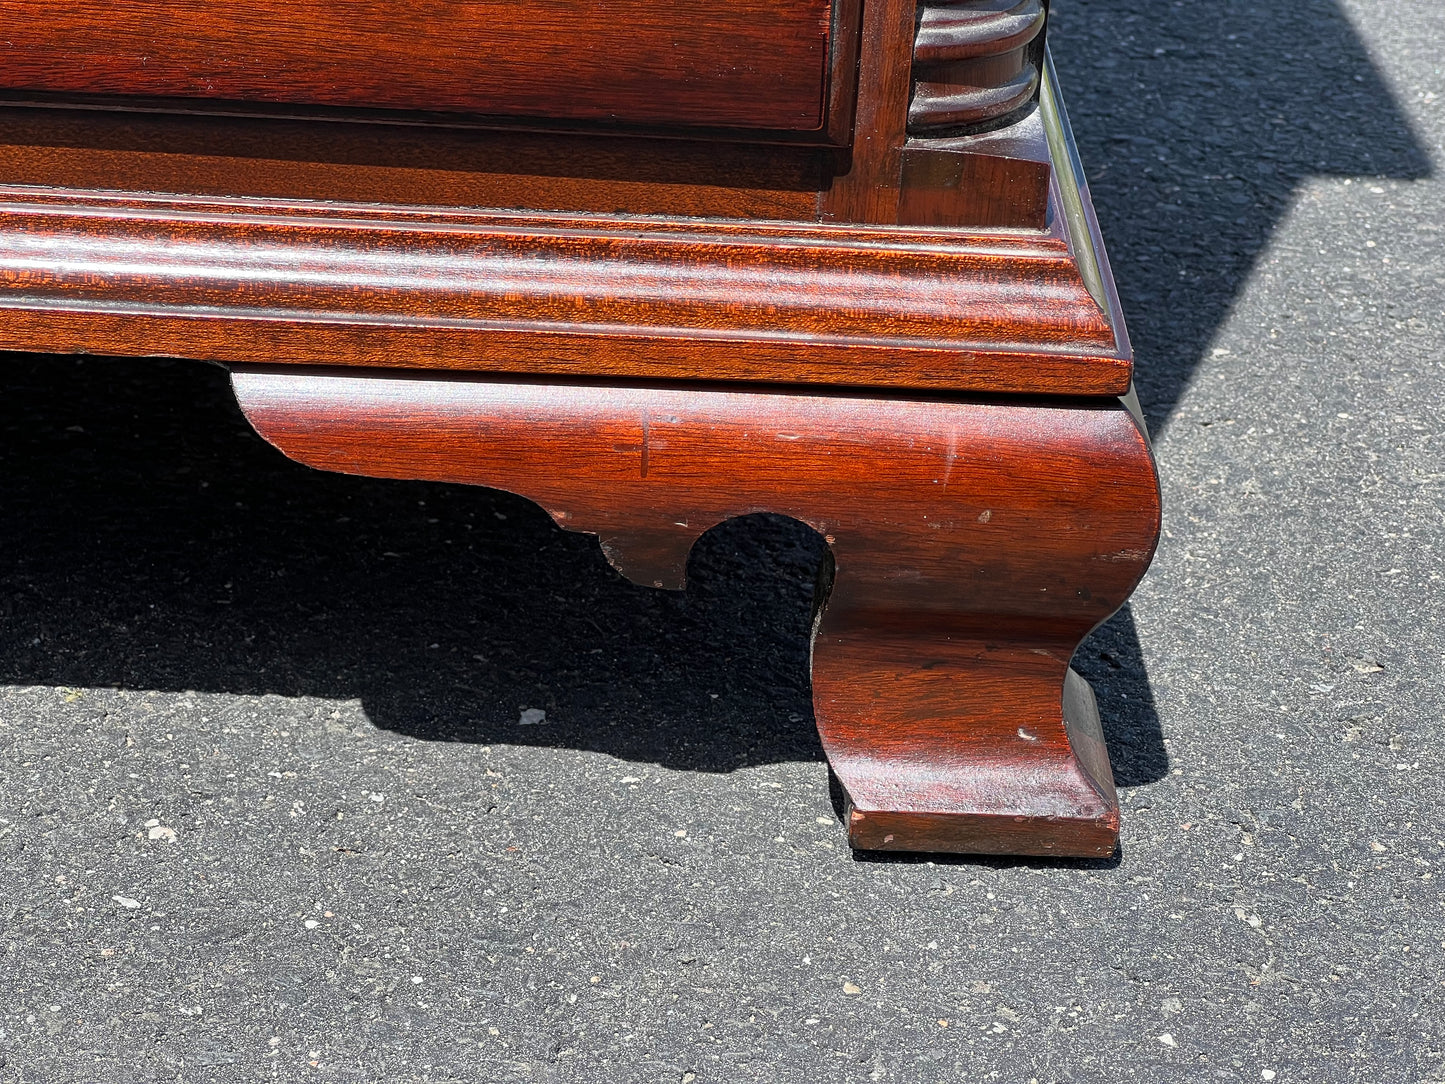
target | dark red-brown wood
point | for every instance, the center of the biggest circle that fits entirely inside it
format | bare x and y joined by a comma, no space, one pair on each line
998,178
975,544
309,283
978,152
778,257
868,190
754,64
979,62
408,164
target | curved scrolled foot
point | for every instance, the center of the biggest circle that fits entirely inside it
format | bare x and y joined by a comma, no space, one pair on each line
975,543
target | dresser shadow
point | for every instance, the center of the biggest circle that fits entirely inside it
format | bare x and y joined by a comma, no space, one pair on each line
155,542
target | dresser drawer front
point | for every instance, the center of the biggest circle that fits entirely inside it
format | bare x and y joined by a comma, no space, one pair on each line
749,64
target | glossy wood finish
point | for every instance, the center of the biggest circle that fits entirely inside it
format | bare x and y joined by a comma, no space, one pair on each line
309,283
957,30
868,190
409,164
753,64
999,178
976,64
978,152
71,118
753,289
876,174
975,544
949,133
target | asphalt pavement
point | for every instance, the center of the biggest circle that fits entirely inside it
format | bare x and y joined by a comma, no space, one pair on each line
306,777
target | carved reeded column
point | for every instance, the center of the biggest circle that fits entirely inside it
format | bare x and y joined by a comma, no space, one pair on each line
976,153
977,65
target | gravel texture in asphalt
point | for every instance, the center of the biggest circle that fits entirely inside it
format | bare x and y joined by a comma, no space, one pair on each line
306,777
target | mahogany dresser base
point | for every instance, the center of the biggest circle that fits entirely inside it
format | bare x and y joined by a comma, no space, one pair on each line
652,264
974,543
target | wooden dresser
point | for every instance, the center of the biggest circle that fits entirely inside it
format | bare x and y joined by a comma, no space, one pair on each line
652,264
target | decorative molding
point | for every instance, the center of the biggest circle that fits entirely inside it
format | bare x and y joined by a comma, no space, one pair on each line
977,152
945,105
976,65
254,280
969,29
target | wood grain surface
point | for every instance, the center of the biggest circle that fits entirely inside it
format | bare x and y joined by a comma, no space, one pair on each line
868,190
975,544
260,281
998,178
408,164
732,323
725,63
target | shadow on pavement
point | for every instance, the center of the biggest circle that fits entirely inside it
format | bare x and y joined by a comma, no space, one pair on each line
153,542
1112,660
1197,120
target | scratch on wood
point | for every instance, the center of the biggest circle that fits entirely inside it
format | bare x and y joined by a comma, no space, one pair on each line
645,439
